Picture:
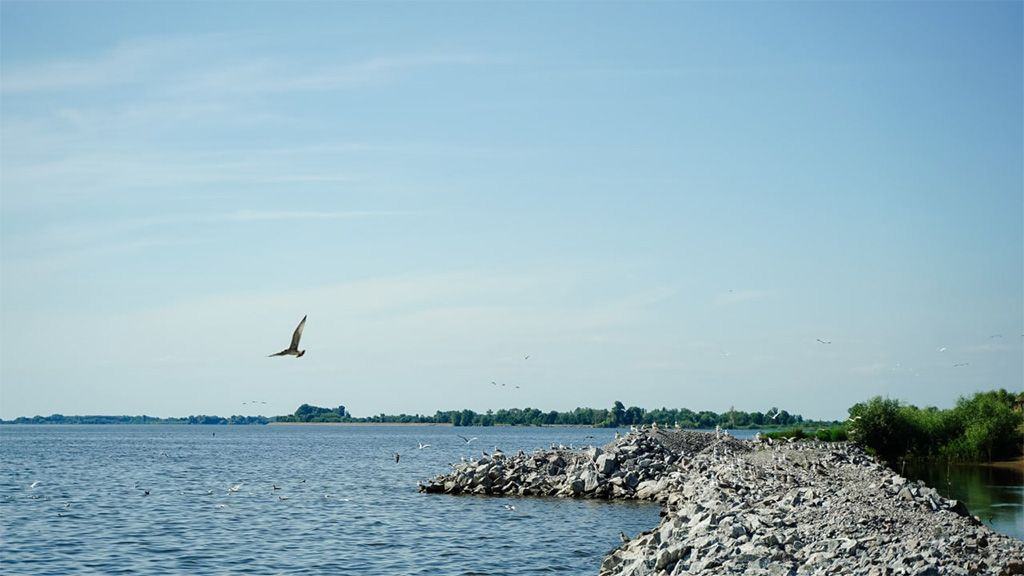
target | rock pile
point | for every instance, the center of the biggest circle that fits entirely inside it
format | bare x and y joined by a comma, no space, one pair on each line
639,466
746,507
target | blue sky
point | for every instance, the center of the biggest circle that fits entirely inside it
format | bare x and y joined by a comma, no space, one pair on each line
666,204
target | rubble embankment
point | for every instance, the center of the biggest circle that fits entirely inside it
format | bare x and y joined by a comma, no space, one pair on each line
752,507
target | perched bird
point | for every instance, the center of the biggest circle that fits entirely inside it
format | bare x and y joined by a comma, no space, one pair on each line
623,537
397,457
293,349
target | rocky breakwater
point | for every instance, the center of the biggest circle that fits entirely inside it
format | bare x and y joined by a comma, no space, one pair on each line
748,507
639,466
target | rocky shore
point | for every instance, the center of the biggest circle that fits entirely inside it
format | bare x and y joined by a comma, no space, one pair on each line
752,507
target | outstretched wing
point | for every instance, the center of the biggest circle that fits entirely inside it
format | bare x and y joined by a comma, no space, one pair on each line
281,353
463,437
298,334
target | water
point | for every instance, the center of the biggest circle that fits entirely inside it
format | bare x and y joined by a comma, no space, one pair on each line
349,508
994,494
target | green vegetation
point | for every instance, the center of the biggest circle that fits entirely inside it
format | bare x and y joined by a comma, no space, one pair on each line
838,433
618,416
201,419
988,426
307,413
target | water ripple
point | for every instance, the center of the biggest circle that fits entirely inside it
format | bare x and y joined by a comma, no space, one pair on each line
342,505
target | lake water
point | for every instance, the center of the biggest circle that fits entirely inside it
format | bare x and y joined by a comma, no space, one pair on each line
994,494
347,507
344,506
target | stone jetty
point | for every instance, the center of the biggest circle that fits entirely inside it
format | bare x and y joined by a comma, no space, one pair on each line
754,507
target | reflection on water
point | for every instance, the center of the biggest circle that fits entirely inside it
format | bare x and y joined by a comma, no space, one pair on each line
994,494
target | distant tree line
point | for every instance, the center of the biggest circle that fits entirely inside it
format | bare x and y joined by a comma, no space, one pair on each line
201,419
617,416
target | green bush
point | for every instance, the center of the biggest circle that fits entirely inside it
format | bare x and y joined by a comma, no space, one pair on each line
983,427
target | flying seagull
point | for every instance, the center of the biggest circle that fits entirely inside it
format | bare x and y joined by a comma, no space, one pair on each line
293,350
422,446
823,341
468,440
961,364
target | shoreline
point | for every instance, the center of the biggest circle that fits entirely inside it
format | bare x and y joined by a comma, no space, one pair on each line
1016,464
749,507
358,424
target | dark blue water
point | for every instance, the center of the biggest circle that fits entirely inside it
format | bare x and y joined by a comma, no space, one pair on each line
344,506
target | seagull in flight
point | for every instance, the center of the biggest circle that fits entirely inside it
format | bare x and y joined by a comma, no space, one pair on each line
34,484
293,350
422,445
823,341
961,364
527,357
468,440
941,349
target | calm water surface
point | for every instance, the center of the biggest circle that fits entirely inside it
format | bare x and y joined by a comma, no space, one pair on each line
344,506
994,494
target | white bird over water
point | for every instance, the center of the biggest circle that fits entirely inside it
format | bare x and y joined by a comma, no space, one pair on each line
293,349
422,445
467,440
235,487
34,484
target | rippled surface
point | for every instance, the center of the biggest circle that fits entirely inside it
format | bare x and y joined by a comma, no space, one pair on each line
344,506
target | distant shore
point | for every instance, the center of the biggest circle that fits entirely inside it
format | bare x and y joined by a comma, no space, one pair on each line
359,424
1016,464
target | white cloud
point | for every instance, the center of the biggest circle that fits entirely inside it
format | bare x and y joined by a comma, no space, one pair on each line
257,215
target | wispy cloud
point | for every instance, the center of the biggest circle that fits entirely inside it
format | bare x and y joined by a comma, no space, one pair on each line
213,64
253,215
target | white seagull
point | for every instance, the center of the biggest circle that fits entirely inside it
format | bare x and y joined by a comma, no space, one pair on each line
34,484
468,440
293,349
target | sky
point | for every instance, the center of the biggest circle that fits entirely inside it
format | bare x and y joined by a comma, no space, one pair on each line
666,203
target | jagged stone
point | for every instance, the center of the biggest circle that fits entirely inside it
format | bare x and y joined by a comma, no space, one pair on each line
747,507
